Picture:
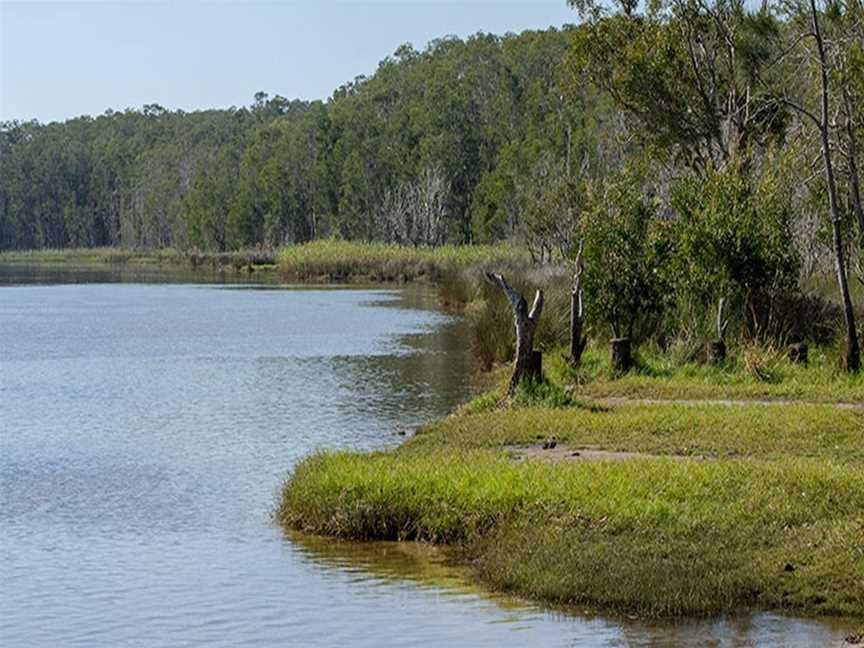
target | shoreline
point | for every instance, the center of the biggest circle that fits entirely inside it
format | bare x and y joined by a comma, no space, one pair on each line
478,437
660,535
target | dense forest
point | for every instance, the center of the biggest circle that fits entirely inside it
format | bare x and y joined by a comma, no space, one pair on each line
698,148
436,146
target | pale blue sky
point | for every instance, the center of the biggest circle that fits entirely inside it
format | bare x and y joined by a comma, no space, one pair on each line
63,59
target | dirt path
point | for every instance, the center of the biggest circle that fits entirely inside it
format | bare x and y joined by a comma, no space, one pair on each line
623,400
561,452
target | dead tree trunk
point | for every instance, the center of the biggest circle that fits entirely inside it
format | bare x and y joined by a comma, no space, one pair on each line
853,353
578,341
527,362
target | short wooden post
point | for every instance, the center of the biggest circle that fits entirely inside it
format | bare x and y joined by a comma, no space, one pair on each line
798,353
716,352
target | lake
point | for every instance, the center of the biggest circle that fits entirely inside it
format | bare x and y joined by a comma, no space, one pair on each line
147,420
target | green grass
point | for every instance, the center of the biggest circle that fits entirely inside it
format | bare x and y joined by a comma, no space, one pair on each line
712,431
655,536
751,373
348,261
770,516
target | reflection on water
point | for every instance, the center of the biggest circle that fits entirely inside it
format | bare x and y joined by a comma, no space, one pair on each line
380,564
145,430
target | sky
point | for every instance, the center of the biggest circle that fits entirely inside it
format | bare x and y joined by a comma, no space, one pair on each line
63,59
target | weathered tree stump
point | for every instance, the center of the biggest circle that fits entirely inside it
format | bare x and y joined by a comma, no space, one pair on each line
798,353
528,362
622,358
716,352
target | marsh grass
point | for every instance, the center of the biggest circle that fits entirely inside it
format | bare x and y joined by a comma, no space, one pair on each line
764,432
351,261
251,259
654,536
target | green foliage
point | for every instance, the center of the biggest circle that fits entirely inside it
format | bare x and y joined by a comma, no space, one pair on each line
686,74
472,113
626,250
733,240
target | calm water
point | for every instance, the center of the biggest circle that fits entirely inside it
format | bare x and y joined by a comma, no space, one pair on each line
145,429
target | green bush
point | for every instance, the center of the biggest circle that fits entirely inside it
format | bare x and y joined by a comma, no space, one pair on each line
626,249
733,239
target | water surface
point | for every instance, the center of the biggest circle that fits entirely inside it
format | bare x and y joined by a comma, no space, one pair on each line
145,429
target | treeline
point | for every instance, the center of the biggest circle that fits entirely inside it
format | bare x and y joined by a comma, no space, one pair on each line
699,149
437,146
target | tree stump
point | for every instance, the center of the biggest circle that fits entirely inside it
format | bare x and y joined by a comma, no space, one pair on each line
622,359
716,352
528,362
798,353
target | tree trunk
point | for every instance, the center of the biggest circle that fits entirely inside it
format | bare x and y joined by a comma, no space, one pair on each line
853,352
717,348
526,364
578,341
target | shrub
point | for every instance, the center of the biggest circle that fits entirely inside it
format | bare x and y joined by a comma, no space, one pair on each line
626,248
734,240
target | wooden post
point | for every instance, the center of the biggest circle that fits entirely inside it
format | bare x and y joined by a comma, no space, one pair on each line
716,352
526,363
798,353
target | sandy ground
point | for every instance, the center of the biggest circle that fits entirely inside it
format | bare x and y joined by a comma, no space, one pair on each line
557,452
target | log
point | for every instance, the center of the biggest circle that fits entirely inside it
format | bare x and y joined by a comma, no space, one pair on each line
622,358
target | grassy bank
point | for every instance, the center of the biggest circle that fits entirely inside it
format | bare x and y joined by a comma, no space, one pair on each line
328,261
752,372
725,507
239,260
346,261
